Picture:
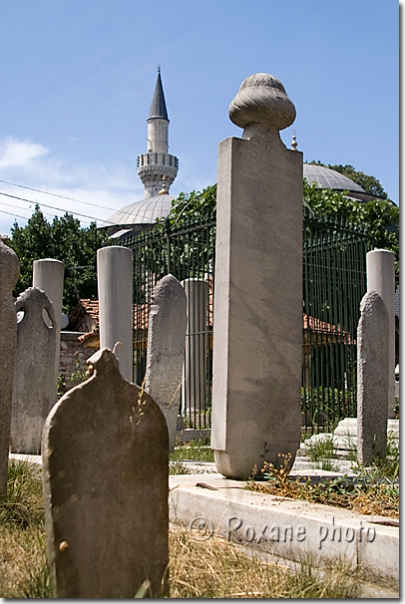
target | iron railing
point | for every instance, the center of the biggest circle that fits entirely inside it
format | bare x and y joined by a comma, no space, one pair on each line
334,281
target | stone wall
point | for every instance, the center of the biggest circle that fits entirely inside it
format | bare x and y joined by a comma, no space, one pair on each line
71,350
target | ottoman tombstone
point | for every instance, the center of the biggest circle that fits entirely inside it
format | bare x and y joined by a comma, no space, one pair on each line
256,411
33,390
105,478
9,273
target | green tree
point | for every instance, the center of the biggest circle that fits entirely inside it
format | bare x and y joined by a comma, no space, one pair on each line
192,206
64,240
380,217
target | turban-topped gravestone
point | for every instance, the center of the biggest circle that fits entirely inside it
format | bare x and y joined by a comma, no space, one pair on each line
256,408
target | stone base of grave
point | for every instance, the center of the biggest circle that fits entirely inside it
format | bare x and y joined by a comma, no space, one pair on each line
288,529
345,436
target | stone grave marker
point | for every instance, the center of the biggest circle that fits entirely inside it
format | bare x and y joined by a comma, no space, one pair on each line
33,389
105,479
372,378
48,275
257,350
165,356
196,346
9,273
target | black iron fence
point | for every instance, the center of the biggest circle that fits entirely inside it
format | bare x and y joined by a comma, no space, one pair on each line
334,281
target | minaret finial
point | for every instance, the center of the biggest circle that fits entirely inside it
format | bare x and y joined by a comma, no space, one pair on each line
294,141
163,190
158,67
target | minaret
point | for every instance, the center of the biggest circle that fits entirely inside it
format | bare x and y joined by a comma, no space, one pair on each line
157,167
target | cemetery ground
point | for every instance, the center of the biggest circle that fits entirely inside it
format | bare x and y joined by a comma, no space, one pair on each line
214,568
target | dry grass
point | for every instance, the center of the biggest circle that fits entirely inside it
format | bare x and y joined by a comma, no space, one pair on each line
369,497
23,569
209,569
219,569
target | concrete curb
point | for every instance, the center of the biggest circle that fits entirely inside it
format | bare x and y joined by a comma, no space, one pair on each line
282,527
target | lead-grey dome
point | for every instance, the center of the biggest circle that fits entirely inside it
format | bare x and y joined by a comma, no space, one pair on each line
141,212
326,178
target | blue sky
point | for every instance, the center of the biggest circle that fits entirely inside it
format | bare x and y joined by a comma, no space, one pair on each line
78,78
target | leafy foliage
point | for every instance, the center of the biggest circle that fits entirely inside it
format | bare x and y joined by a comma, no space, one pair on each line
64,240
195,205
381,217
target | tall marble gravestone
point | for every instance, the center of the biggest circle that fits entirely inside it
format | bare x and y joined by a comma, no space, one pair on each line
33,389
48,275
166,335
105,479
373,336
9,273
256,412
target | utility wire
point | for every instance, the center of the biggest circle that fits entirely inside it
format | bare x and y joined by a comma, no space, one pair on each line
97,205
15,215
4,203
53,207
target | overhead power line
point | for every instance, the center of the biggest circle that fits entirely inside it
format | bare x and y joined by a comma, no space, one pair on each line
53,207
10,205
97,205
15,215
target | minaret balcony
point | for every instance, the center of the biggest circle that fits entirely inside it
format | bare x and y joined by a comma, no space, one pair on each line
158,159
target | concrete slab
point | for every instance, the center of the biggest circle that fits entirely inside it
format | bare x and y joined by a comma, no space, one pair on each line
286,528
32,459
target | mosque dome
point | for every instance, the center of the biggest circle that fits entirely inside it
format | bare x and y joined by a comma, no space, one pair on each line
326,178
141,212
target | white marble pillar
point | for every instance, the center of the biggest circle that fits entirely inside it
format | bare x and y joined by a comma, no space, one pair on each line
256,409
195,359
48,275
114,275
381,279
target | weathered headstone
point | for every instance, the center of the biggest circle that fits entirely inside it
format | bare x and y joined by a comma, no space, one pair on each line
33,388
196,346
381,279
9,273
372,378
166,334
105,478
48,275
114,276
256,409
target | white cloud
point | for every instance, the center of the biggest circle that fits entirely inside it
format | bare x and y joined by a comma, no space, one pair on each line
15,153
105,186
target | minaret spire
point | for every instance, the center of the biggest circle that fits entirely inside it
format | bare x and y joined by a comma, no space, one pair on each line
157,163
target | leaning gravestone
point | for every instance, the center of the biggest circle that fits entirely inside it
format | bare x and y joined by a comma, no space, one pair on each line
256,407
9,273
372,378
33,389
166,337
105,479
